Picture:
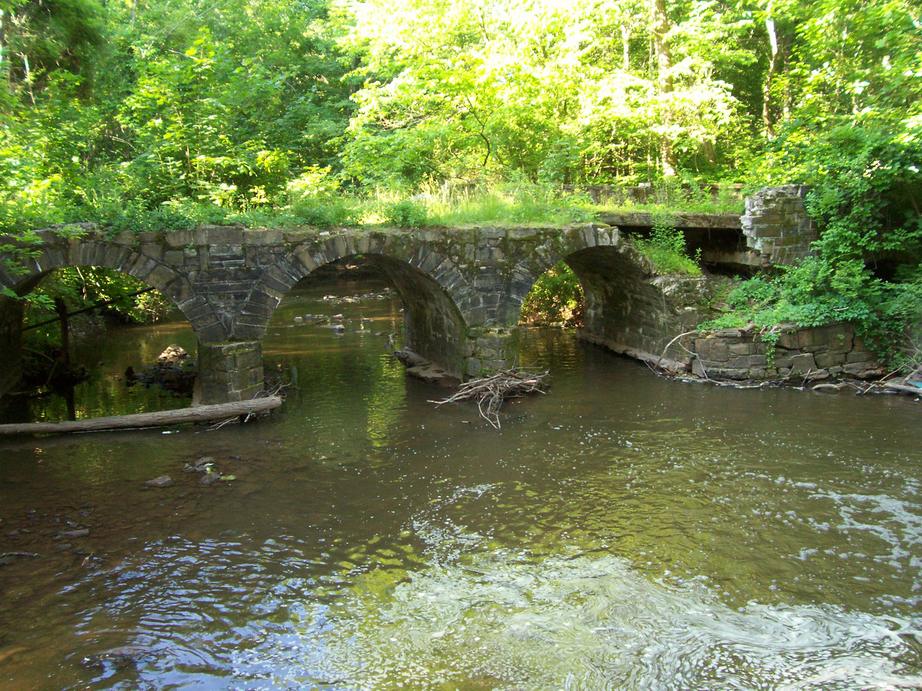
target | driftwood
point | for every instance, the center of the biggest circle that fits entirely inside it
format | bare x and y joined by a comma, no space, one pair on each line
490,392
162,418
903,388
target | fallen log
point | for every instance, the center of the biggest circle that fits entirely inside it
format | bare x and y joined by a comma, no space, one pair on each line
161,418
903,388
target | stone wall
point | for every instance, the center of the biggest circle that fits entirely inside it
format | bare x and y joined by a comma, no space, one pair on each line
632,311
776,224
810,354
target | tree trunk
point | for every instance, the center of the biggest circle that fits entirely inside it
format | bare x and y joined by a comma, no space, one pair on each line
625,47
768,120
162,418
61,308
660,28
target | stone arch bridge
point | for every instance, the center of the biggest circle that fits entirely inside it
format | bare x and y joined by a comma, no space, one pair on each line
462,289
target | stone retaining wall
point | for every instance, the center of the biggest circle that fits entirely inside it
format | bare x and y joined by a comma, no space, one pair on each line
808,353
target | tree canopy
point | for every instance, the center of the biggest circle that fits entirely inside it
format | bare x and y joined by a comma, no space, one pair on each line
159,113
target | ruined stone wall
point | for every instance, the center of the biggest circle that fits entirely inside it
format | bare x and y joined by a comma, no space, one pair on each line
810,354
776,225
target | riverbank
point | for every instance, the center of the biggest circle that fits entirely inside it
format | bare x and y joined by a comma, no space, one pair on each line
827,358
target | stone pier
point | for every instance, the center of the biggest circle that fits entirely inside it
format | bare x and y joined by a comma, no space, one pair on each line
228,372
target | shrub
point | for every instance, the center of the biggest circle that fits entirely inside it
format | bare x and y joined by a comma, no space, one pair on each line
665,248
407,214
555,298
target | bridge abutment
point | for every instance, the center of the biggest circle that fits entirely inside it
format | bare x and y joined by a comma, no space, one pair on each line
230,371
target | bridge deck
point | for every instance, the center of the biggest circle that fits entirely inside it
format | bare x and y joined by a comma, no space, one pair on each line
729,222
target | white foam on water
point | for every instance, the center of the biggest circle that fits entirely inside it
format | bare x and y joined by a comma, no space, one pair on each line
585,622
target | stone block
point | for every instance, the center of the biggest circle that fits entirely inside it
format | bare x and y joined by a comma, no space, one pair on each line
859,356
154,250
863,370
178,238
174,258
726,373
788,338
474,367
263,237
801,364
828,359
219,235
714,349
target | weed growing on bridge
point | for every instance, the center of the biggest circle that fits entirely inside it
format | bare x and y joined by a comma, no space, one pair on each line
665,248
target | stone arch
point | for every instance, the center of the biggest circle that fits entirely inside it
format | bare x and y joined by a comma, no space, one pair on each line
554,249
629,308
57,252
433,291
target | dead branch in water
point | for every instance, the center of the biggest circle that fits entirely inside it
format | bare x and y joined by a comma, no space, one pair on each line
202,413
490,392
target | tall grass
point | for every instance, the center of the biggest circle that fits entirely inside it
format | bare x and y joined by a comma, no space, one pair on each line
445,205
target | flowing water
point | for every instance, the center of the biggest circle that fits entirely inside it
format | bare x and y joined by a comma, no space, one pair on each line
623,531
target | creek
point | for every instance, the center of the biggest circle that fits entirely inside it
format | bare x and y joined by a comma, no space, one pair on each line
621,531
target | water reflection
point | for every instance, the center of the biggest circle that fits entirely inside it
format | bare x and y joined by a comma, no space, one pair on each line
622,531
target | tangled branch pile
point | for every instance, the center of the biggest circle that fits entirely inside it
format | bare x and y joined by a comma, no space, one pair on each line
490,392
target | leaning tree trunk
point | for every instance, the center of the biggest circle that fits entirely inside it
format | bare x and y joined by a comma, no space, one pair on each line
162,418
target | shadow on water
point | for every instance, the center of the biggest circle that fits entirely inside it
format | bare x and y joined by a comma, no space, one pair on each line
621,531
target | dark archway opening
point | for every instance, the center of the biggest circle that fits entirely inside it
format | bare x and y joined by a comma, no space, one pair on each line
429,326
625,306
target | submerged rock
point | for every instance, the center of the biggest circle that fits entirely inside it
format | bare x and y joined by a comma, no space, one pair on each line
7,558
119,658
70,534
201,465
209,478
161,481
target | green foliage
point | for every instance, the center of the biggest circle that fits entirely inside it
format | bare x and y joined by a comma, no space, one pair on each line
519,203
171,113
82,287
407,214
557,92
867,263
555,298
314,199
665,248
